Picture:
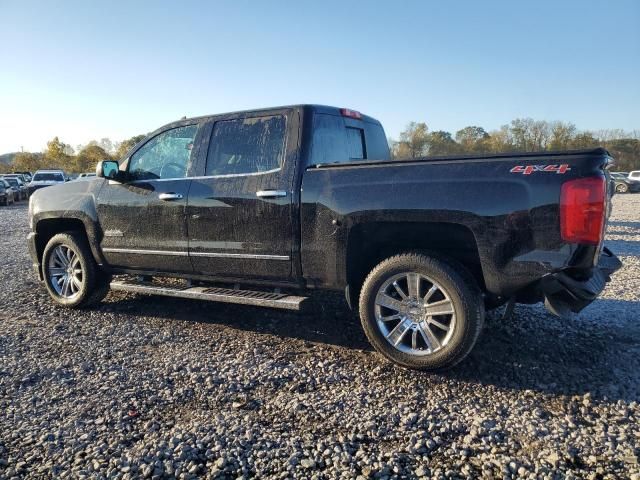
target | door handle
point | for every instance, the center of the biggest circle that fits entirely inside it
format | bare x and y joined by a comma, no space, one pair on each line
170,196
271,193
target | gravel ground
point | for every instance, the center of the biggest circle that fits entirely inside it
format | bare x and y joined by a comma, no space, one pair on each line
162,388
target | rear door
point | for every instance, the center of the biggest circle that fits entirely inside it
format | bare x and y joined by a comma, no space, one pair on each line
240,211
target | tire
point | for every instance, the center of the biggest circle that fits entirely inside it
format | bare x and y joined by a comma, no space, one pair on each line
440,285
101,289
622,188
71,275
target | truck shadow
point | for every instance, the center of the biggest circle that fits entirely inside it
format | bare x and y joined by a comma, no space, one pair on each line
531,351
624,247
617,223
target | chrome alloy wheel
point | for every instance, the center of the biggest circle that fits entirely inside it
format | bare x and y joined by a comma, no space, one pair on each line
415,314
65,271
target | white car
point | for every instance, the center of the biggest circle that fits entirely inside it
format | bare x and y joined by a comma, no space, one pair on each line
634,175
46,178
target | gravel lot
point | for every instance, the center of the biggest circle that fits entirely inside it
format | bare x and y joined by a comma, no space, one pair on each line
162,388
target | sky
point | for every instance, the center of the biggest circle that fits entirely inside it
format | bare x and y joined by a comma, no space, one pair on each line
84,70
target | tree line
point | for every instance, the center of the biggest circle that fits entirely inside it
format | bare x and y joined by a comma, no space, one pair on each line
59,155
416,140
521,135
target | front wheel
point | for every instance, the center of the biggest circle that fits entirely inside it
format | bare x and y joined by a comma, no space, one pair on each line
71,275
421,312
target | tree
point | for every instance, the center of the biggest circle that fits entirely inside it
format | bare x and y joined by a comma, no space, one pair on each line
414,141
499,141
107,145
88,157
583,140
441,143
472,139
625,152
56,156
561,135
123,147
27,162
529,135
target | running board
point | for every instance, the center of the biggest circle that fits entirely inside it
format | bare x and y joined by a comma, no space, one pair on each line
215,294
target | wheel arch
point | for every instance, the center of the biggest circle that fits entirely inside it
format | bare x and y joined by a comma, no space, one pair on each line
370,243
46,228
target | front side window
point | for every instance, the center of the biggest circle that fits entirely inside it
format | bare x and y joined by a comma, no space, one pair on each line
246,145
167,155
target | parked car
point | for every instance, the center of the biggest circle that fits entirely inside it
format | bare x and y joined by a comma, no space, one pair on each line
634,175
624,184
27,176
17,183
7,193
21,176
46,178
301,198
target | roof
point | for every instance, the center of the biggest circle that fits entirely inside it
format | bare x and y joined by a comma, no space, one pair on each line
325,109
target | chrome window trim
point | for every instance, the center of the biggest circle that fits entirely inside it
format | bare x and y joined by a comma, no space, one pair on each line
196,254
240,255
145,252
202,177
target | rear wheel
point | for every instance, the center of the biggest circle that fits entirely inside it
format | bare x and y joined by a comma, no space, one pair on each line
421,312
71,275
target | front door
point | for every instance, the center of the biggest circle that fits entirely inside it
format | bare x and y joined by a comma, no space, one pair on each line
240,212
143,218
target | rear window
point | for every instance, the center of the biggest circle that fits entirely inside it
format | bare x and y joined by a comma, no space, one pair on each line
48,177
335,141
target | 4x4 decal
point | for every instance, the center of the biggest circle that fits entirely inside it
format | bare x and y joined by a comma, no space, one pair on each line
529,169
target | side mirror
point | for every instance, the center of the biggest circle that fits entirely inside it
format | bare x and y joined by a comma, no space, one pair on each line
107,169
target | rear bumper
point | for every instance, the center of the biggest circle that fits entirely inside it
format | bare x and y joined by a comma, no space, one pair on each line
564,294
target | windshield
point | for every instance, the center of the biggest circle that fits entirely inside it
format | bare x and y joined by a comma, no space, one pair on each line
12,181
48,177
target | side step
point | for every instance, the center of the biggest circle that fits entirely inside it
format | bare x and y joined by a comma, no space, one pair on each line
215,294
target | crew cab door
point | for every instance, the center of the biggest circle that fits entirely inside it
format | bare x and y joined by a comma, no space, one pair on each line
240,212
143,217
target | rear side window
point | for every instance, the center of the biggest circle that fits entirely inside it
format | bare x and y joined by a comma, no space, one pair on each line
328,144
334,141
246,146
377,145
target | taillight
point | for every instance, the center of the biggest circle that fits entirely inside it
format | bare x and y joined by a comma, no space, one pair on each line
582,210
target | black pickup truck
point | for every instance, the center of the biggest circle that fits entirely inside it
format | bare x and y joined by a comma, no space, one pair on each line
261,207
